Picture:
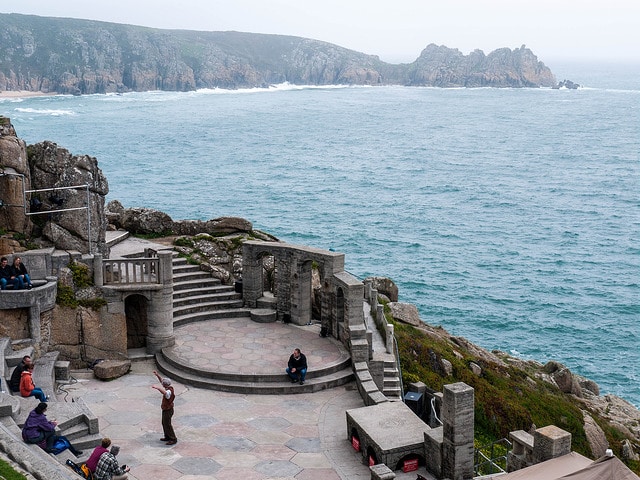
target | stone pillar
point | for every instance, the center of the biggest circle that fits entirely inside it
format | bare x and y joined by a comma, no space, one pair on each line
98,278
550,442
34,322
389,339
251,276
457,436
160,313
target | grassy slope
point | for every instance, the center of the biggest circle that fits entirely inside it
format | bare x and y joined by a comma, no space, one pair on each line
506,398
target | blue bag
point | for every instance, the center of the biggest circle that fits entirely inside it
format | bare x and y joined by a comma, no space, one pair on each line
60,444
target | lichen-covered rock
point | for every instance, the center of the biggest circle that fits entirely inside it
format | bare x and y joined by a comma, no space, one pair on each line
384,286
405,312
595,435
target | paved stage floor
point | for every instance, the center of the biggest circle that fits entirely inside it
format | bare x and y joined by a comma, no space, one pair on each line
225,435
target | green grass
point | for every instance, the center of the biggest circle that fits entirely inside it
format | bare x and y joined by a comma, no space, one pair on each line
506,398
8,473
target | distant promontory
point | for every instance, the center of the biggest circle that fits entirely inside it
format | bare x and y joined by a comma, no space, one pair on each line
70,56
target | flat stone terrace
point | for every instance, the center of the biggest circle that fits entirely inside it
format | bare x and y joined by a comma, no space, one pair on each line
242,346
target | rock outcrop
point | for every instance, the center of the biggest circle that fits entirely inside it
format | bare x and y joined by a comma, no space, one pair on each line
146,221
77,57
75,187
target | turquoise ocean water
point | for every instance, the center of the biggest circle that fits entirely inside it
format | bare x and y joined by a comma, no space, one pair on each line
508,216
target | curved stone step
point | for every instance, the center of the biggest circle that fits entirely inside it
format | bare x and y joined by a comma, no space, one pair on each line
264,315
179,320
327,370
207,282
203,299
206,307
203,291
282,387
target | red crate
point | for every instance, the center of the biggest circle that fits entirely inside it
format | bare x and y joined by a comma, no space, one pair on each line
355,443
410,465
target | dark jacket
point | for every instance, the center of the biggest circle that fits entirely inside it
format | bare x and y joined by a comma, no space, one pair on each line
298,364
6,272
21,270
36,423
14,383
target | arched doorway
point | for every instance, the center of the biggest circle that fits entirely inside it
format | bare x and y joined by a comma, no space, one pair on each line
135,309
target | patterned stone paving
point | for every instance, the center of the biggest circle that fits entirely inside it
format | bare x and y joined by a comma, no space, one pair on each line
221,435
239,345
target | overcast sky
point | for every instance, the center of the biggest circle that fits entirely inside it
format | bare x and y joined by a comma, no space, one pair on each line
396,31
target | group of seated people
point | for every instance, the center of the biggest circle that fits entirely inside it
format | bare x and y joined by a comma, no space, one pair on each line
39,430
22,380
15,274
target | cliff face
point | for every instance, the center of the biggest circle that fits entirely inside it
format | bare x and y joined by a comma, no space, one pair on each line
82,57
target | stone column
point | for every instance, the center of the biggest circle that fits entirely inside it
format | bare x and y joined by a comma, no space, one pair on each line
550,442
457,436
98,278
160,313
251,276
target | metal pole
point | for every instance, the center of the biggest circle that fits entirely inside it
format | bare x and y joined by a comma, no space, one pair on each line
88,217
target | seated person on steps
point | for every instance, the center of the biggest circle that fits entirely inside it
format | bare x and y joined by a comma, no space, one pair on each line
297,366
40,431
28,388
14,383
108,468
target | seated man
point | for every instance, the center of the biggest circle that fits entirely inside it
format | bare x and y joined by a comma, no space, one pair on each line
108,468
297,366
6,275
16,375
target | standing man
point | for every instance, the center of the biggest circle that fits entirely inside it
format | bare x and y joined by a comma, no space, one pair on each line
168,397
14,382
297,366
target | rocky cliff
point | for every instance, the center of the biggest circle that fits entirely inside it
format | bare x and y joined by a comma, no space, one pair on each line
72,56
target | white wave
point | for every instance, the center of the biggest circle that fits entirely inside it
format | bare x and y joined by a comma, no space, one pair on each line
45,111
278,87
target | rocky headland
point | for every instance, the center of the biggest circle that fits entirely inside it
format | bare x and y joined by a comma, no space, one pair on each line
70,56
511,393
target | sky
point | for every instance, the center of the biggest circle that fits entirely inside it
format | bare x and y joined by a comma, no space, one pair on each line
395,31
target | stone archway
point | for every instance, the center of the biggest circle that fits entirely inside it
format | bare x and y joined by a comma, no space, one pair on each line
136,312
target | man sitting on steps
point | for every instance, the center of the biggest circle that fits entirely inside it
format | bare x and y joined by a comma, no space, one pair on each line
297,366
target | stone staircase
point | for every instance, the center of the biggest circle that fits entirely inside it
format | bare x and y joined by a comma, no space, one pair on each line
391,381
197,296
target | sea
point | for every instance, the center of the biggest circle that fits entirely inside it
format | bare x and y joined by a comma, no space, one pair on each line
508,216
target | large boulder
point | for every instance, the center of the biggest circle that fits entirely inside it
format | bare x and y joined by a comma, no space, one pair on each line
216,226
406,313
145,221
74,188
384,286
111,369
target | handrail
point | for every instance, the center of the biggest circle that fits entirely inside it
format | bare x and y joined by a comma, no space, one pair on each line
127,271
491,459
398,366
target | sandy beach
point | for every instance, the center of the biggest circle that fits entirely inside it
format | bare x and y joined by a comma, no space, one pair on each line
22,94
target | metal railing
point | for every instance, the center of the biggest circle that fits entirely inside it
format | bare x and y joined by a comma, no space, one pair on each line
488,464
